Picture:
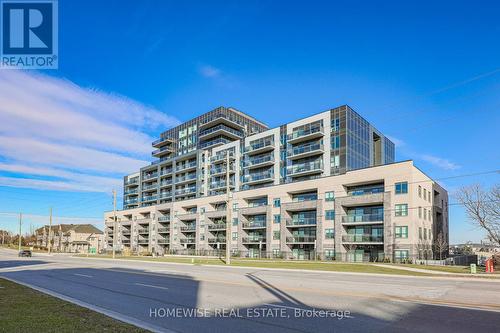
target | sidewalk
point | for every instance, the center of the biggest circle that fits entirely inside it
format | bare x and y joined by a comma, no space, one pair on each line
420,270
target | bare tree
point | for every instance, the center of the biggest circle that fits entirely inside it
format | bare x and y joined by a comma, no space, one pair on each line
483,208
441,245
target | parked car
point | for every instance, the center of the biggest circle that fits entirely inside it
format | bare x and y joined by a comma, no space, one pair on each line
25,253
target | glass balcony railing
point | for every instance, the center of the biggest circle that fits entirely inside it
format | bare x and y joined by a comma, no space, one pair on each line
214,142
163,230
217,239
189,227
184,191
254,224
221,127
166,172
254,239
305,149
259,145
362,238
365,191
164,218
149,198
133,181
143,231
301,221
166,182
150,187
304,167
221,156
149,176
188,240
129,192
301,239
164,195
161,150
221,184
186,166
163,240
363,218
220,170
256,161
131,201
257,176
305,132
191,176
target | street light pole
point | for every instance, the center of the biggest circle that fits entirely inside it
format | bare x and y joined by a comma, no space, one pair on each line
50,231
228,209
114,222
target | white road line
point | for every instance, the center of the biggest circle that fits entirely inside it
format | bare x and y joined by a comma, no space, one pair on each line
151,286
84,275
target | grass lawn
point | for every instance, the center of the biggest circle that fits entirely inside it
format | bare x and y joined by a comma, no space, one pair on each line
449,269
27,310
308,265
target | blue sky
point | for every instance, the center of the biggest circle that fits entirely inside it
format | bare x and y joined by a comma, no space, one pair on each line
427,74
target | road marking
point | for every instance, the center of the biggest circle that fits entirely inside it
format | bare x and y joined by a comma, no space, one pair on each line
84,275
151,286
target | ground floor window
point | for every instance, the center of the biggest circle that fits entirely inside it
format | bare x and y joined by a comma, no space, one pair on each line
329,253
401,254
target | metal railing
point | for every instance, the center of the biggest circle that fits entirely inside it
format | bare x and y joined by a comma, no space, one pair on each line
363,218
219,128
258,176
254,224
259,145
305,132
301,221
301,239
362,238
217,226
304,149
304,167
256,161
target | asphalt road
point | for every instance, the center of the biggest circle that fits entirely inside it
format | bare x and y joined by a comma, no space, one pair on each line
187,298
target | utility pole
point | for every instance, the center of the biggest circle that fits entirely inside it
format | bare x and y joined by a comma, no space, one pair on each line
114,222
50,231
228,217
20,223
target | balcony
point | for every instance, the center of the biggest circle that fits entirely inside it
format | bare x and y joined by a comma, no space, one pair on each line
221,157
185,178
221,185
164,218
188,228
149,198
363,238
363,219
305,151
131,201
221,170
150,187
212,143
126,241
301,222
213,240
131,192
150,176
163,241
303,169
185,191
305,134
298,206
162,141
143,241
260,147
143,220
166,172
163,230
189,240
217,226
220,130
257,178
143,231
166,182
163,159
251,163
162,151
253,240
186,166
254,224
126,232
165,195
301,239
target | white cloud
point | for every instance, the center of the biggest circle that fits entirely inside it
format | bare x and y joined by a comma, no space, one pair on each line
210,71
81,139
440,162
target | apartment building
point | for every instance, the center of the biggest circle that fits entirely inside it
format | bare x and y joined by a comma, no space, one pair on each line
324,186
73,238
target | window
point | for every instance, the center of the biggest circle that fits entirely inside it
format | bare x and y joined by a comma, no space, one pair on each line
419,191
401,210
419,212
425,194
277,202
402,188
401,232
235,236
235,221
425,214
329,253
330,233
276,235
420,233
401,254
235,207
202,237
329,196
277,218
425,233
276,253
202,210
335,124
330,215
335,142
